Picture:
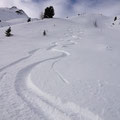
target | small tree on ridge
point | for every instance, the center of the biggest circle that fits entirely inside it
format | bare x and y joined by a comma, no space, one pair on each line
8,32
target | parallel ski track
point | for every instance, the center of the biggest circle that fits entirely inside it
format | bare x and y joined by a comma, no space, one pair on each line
18,61
42,103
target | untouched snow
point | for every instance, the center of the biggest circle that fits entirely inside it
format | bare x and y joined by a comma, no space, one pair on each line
70,74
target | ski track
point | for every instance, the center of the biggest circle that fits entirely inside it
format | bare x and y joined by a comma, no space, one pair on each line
58,73
2,76
52,48
17,61
61,77
44,104
20,84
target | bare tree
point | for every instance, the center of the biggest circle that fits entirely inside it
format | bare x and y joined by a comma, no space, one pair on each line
41,16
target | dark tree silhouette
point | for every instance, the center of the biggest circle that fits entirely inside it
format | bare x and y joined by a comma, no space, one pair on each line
49,12
29,20
44,33
8,32
20,12
115,18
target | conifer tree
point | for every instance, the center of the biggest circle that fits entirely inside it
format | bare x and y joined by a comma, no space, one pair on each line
115,18
49,12
29,20
8,32
44,33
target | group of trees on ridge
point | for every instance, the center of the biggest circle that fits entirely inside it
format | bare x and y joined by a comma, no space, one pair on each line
48,13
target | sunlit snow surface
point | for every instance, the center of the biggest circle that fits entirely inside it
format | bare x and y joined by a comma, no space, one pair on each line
72,73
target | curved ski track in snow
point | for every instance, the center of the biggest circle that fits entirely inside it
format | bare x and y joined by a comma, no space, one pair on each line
44,104
2,76
17,61
58,73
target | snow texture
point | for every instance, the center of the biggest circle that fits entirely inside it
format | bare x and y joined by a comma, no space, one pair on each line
72,73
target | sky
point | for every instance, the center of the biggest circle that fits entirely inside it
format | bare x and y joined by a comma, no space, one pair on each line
64,8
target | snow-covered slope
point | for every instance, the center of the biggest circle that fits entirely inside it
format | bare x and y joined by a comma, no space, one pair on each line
92,20
72,73
11,13
10,16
